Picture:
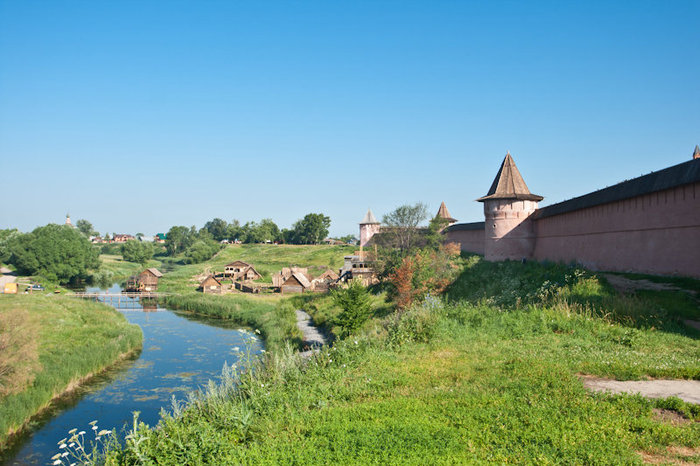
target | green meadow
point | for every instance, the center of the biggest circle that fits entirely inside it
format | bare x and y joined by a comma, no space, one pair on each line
489,372
48,344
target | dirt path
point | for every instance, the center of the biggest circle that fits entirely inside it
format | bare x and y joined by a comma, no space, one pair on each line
627,285
686,390
313,339
8,276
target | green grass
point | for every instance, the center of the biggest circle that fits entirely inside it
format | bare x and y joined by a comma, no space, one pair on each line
266,258
49,343
489,373
115,269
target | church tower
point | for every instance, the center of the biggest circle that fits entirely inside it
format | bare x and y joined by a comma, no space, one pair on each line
369,226
68,222
507,208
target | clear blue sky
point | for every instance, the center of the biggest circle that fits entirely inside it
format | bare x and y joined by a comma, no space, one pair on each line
142,115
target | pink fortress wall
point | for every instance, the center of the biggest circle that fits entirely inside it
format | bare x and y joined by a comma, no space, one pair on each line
657,233
469,240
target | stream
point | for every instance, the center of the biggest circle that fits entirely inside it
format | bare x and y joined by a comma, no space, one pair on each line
181,352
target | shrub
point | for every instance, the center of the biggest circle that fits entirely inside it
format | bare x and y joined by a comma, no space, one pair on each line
356,306
416,324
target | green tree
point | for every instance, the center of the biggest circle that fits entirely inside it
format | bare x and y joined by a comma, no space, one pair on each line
311,229
218,228
179,238
7,237
58,253
403,223
86,228
201,250
137,251
356,305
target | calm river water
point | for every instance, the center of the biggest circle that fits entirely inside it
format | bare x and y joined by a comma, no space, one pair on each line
180,353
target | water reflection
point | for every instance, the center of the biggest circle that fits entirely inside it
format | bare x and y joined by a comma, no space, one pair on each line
181,352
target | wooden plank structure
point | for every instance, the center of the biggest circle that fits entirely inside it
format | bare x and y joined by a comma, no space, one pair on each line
145,281
297,283
125,300
210,285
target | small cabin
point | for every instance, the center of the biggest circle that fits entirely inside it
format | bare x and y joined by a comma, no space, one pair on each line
250,274
148,279
210,285
323,281
296,283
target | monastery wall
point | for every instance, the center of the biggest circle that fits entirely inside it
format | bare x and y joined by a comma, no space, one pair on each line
656,233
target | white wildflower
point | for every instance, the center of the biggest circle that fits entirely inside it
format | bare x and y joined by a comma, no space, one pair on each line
57,462
63,445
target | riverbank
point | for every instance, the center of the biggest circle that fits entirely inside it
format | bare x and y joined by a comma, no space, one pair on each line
489,372
49,345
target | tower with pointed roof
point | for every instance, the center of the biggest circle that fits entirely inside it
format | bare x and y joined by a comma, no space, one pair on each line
68,222
444,214
369,226
696,152
507,209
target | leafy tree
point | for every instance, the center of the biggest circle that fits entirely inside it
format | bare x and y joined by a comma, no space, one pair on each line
218,228
266,230
236,231
349,239
403,223
137,251
180,238
311,229
201,250
356,305
58,253
434,237
86,228
139,236
7,237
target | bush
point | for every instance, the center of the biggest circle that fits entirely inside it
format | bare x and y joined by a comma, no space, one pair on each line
200,251
416,324
356,306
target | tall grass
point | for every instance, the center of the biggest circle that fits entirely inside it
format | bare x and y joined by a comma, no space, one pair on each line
74,339
276,320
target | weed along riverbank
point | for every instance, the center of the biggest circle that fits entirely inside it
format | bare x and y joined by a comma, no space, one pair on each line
49,346
181,352
489,371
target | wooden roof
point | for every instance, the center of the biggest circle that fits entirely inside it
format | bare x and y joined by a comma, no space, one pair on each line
509,184
671,177
210,280
250,267
369,218
156,273
444,213
238,264
300,278
328,274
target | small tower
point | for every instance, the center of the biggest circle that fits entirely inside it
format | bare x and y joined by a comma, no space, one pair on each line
369,226
443,213
696,152
68,222
507,208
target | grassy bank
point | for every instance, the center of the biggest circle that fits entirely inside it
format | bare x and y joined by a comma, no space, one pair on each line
47,344
488,373
275,319
266,258
114,268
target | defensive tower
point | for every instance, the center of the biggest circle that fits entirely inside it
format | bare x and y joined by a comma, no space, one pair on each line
507,207
369,226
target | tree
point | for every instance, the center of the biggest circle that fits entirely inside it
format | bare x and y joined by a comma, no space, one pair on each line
311,229
403,223
356,305
58,253
137,251
86,228
200,251
218,228
179,238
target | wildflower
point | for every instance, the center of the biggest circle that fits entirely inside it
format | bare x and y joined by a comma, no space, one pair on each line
82,432
72,431
236,348
57,455
57,462
62,441
262,385
262,351
104,432
64,454
72,444
257,331
92,423
63,445
94,427
356,342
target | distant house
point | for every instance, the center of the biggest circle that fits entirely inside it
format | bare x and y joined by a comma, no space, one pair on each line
210,285
122,238
145,281
97,240
323,281
296,283
358,267
280,277
161,237
239,270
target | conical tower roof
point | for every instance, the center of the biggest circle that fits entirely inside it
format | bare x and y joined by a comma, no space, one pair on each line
369,219
509,184
444,213
696,152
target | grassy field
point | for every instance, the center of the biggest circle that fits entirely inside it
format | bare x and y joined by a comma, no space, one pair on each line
47,344
487,373
115,269
266,258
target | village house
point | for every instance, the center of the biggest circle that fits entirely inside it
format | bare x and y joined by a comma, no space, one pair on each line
296,283
358,267
283,275
239,270
145,281
122,238
323,281
210,285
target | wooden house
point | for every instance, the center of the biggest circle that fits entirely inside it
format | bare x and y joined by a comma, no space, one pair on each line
296,283
323,281
210,285
283,275
236,269
249,273
145,281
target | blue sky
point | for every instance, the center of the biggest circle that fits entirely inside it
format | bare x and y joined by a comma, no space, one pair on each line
142,115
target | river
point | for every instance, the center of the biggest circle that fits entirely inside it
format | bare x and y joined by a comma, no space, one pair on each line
181,352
